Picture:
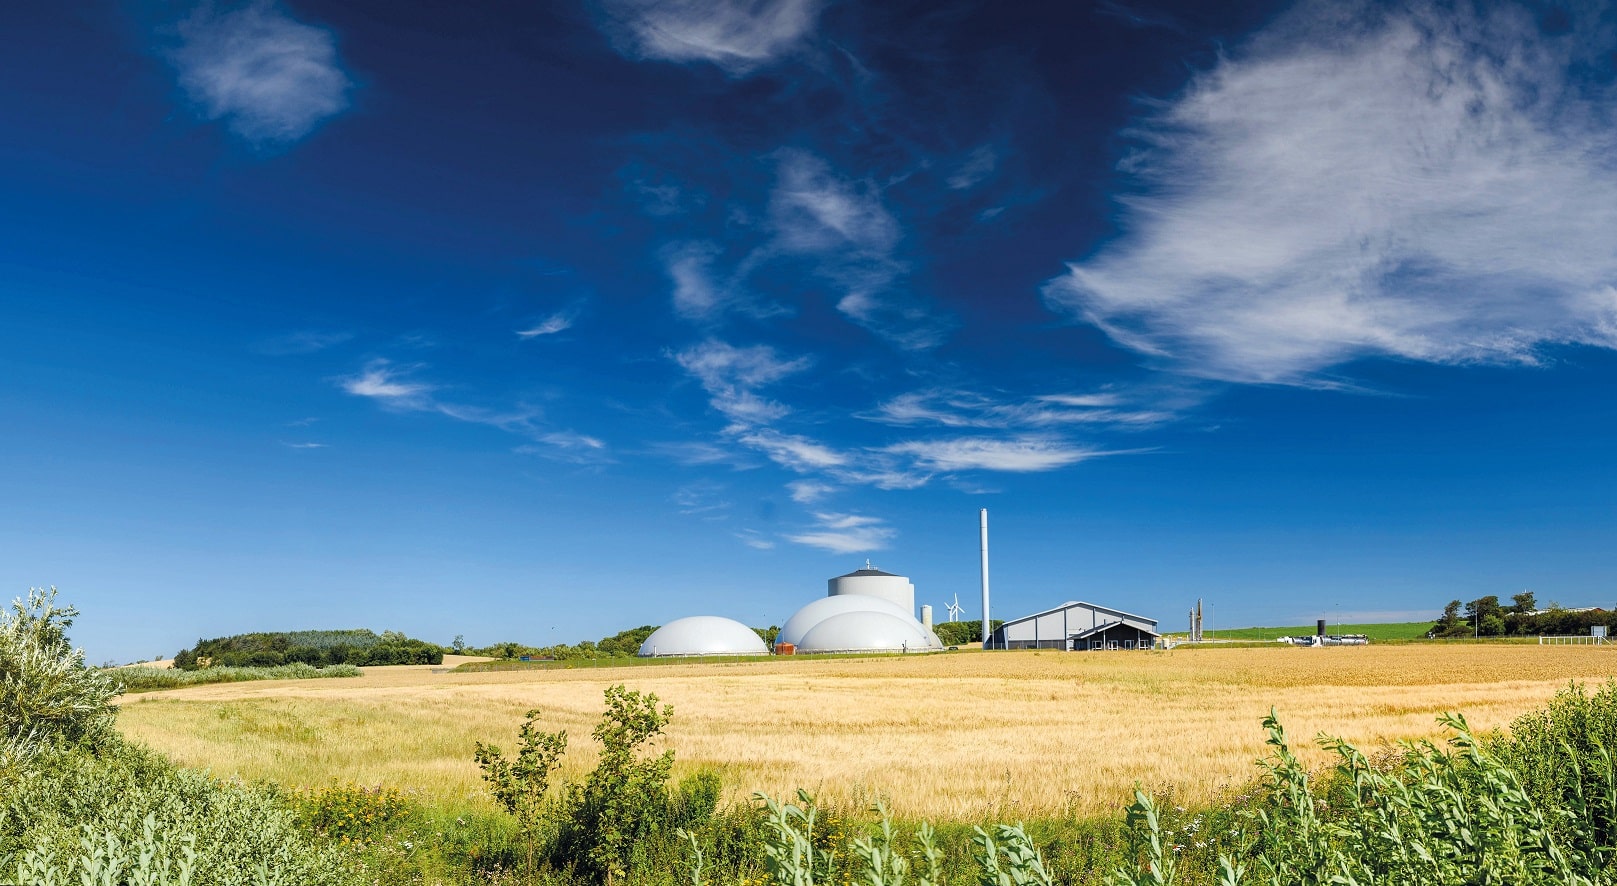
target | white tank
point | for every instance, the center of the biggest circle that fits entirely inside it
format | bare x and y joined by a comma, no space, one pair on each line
804,620
703,635
872,582
868,632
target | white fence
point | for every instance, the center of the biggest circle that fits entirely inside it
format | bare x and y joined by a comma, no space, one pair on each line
1579,640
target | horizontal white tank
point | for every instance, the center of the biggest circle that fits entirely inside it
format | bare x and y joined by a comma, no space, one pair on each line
804,620
871,582
703,635
868,632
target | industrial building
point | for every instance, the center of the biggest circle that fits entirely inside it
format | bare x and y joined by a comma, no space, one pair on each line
1075,626
867,610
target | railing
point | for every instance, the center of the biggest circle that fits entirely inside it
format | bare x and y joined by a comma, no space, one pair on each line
1572,640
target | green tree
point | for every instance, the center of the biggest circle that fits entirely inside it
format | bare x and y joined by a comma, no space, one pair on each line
1478,611
519,785
1524,603
1448,624
459,645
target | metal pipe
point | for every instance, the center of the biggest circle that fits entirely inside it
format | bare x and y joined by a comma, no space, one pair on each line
983,516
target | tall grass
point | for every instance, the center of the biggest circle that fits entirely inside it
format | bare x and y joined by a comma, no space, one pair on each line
141,679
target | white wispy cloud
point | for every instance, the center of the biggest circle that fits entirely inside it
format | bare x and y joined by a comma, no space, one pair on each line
738,36
690,266
845,533
814,209
380,380
304,445
792,451
979,165
731,375
844,223
395,388
752,538
809,491
270,78
1020,455
702,499
1429,184
971,409
306,341
561,321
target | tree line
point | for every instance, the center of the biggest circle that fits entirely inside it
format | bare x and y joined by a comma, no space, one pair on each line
360,647
1486,617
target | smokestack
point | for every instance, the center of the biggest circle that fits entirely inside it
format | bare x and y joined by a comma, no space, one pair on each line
926,617
983,515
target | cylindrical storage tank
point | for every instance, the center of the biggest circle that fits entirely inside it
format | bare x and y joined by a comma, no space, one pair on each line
1320,628
926,617
867,632
703,635
803,620
875,583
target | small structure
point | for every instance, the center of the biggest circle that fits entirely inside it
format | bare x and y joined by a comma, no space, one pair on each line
1076,626
703,635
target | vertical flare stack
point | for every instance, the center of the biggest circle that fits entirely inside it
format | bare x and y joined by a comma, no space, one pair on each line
983,516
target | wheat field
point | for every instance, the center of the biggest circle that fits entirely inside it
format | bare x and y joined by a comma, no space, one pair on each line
962,736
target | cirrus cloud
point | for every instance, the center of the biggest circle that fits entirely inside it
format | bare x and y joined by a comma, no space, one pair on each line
1431,184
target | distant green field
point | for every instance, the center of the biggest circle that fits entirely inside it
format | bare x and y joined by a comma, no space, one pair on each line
1409,630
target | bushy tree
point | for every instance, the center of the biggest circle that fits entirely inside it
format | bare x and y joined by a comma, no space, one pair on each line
48,696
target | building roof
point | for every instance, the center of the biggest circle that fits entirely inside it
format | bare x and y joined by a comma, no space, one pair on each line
1103,628
869,571
1071,603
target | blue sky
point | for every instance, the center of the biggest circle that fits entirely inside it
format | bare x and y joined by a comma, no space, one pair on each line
534,321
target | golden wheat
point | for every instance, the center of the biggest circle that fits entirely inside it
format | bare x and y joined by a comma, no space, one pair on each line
959,736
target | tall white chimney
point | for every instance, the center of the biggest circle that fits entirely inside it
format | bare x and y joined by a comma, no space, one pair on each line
983,515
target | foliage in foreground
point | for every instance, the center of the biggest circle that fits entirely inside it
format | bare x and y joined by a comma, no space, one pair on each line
141,679
76,813
79,805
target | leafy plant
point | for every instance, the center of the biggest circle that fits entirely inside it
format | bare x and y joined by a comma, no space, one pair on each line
519,785
47,694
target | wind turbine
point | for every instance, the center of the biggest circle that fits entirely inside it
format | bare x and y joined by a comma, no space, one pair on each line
954,609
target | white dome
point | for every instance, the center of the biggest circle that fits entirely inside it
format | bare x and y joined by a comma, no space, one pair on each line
803,620
703,635
868,631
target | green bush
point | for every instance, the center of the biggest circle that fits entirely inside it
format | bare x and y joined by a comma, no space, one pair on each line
47,695
64,804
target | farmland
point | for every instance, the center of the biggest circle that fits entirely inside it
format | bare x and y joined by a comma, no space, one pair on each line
962,736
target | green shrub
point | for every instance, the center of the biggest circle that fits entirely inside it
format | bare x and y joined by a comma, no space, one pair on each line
231,833
47,695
